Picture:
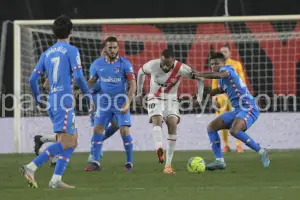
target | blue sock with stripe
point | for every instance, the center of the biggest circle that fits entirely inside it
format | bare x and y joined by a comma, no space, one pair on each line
244,137
128,145
63,161
215,143
97,145
51,151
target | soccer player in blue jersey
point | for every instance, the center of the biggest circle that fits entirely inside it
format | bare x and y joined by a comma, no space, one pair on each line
96,92
59,62
239,120
113,72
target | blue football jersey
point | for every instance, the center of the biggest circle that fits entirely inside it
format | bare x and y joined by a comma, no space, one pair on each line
58,62
96,89
111,76
236,89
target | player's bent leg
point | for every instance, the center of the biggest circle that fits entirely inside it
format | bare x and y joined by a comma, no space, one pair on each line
157,137
128,146
217,124
69,142
237,130
97,141
172,121
39,140
222,103
112,129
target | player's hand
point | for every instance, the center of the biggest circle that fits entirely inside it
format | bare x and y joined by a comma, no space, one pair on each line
139,99
42,107
215,102
92,107
77,93
125,108
196,75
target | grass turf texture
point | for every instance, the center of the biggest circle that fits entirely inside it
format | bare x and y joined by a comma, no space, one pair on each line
244,178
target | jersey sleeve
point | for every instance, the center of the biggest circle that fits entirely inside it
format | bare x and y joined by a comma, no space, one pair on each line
35,75
240,71
227,69
128,70
39,68
146,68
186,71
74,57
93,71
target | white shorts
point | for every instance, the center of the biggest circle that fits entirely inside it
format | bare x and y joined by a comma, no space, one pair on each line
164,108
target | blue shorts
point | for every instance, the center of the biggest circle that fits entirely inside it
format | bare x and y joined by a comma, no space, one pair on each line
63,120
93,116
103,117
249,116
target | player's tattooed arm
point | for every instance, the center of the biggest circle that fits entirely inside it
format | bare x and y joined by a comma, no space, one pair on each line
212,75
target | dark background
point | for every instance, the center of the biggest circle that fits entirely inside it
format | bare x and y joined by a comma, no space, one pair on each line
41,9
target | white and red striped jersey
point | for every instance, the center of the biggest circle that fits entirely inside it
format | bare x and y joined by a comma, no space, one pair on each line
165,85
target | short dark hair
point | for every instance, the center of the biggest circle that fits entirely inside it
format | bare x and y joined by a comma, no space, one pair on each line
62,27
217,55
111,39
101,46
226,46
168,53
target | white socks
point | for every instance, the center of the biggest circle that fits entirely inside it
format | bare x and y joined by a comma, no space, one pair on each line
48,138
170,148
32,166
55,178
157,137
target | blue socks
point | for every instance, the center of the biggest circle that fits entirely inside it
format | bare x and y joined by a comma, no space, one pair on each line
128,145
51,151
247,140
63,161
110,131
97,145
216,143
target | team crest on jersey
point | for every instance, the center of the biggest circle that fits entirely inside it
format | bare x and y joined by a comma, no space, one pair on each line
117,70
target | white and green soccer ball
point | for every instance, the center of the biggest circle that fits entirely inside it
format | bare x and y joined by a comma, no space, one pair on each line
196,165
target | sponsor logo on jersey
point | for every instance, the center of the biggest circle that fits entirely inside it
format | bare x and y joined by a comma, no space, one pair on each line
110,80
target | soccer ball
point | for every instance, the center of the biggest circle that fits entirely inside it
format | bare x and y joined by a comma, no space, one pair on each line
196,165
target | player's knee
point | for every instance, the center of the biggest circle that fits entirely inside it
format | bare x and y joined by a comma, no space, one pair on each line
172,122
233,131
211,126
68,140
124,130
156,120
99,129
114,124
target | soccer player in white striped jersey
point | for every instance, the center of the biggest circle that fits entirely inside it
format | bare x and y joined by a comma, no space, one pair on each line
163,104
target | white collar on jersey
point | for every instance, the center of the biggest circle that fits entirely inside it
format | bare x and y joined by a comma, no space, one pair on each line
111,62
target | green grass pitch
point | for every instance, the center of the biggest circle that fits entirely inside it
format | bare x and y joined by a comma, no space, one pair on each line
244,178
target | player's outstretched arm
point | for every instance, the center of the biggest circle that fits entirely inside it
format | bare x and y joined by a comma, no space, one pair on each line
212,75
216,91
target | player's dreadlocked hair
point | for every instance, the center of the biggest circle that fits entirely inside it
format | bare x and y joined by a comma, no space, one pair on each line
62,27
217,55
